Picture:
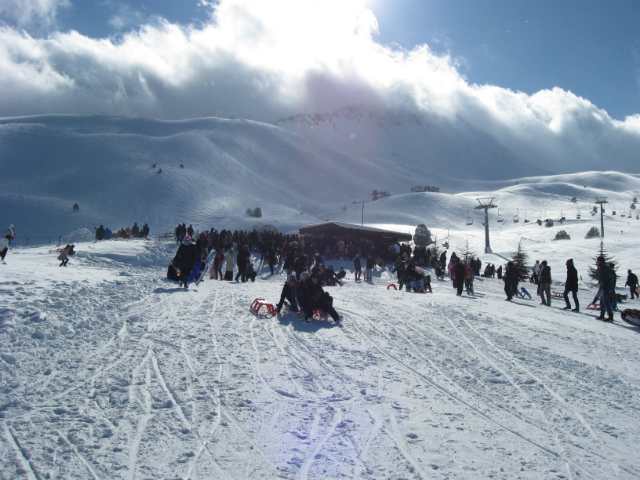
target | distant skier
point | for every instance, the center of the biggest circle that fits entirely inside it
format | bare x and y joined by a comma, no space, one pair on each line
571,285
632,283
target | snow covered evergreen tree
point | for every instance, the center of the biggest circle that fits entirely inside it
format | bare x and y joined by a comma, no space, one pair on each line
608,259
520,259
467,254
422,237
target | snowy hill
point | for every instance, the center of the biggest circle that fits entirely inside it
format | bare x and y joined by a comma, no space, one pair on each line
110,371
104,164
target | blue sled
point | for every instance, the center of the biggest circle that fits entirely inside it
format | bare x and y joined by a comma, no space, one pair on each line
197,273
523,293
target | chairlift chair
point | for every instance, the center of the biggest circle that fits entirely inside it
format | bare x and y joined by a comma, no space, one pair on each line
613,212
562,217
526,220
623,213
469,219
516,217
446,240
578,215
500,217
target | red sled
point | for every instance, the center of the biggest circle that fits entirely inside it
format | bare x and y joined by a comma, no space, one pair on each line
258,304
593,306
318,314
557,294
631,316
392,285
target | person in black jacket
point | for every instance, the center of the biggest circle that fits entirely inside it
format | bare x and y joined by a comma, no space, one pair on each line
288,293
357,266
632,283
242,260
300,265
316,297
289,261
545,283
606,278
369,268
135,230
185,259
510,280
571,285
460,272
401,268
100,231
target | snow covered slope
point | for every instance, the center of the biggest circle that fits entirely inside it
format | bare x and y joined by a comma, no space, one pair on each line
103,163
109,371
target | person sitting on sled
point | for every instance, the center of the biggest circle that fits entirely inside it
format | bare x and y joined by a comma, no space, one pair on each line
289,293
315,297
331,278
341,274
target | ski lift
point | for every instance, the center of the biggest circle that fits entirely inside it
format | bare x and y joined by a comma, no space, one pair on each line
500,217
623,213
613,212
469,219
516,217
526,220
562,217
594,210
546,217
578,215
446,240
539,221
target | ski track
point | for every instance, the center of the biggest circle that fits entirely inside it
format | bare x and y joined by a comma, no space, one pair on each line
192,384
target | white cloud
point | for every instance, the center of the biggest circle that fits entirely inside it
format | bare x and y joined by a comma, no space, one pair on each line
25,12
263,60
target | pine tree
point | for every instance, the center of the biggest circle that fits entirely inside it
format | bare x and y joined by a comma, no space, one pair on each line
608,259
466,255
422,237
520,259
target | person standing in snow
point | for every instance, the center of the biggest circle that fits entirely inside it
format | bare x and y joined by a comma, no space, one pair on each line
606,278
135,230
536,272
459,273
230,262
369,268
545,283
510,280
632,283
100,232
11,235
357,267
243,261
571,285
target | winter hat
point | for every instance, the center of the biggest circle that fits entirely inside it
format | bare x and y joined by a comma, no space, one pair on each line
570,261
600,259
187,238
291,278
304,276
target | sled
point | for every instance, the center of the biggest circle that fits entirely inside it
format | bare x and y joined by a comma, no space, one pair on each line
523,292
392,285
631,316
259,303
593,306
197,272
318,314
558,294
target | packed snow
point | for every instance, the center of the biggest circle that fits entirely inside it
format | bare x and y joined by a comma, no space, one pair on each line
111,371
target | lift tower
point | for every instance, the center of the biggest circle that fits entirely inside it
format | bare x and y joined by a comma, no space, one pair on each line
485,204
601,201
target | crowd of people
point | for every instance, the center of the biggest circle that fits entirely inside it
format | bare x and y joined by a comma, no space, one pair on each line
104,233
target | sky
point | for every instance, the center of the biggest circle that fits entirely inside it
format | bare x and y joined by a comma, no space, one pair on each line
565,72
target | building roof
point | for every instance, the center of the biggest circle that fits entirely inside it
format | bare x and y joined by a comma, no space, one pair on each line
339,228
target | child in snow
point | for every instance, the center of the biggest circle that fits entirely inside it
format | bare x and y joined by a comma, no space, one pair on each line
64,255
251,273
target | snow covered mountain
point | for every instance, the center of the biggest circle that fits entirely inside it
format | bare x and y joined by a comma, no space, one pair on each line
104,164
